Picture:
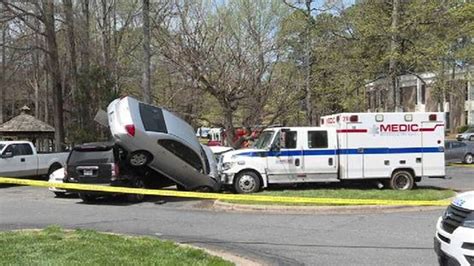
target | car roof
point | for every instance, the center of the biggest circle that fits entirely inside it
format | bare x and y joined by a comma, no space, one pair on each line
94,146
14,141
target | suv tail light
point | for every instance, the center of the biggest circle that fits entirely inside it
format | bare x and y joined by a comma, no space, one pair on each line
115,170
130,130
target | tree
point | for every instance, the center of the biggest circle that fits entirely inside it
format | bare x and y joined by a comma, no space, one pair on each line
228,52
55,72
146,86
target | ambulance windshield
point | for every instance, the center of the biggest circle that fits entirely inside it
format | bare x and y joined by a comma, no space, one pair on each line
264,140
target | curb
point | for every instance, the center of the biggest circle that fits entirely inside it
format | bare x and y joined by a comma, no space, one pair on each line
225,206
236,259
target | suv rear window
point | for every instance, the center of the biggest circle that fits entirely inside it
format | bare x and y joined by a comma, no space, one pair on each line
152,118
91,156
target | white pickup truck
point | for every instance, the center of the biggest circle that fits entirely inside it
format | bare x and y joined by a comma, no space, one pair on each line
20,159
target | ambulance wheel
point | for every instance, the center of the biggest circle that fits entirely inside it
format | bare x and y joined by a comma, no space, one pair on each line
469,159
246,182
139,158
402,180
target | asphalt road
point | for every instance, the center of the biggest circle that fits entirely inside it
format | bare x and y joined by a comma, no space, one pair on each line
283,239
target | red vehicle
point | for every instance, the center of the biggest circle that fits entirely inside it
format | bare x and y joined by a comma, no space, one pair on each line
217,136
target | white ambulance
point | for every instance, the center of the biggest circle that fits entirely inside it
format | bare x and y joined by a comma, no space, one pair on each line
396,148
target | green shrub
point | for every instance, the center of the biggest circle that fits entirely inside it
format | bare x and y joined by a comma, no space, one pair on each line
461,129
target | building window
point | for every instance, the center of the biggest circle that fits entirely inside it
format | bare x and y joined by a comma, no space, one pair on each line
466,90
448,124
423,92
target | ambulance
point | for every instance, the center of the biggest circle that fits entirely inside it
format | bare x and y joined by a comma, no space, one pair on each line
395,149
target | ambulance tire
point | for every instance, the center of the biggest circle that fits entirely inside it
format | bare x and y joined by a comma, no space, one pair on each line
246,182
402,180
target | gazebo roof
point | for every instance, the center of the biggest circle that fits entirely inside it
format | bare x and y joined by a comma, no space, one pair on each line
25,123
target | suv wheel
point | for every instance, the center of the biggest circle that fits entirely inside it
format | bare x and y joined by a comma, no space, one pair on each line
402,180
137,183
468,159
247,182
139,158
88,198
60,194
471,138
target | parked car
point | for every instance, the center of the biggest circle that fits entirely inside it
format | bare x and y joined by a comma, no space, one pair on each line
102,164
20,159
454,238
466,135
458,151
159,139
57,177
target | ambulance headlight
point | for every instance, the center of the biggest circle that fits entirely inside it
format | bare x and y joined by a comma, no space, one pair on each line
227,166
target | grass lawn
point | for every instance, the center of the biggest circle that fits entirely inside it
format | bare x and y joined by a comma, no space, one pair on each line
54,246
352,193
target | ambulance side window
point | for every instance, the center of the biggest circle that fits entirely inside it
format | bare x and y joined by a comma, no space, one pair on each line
317,139
290,139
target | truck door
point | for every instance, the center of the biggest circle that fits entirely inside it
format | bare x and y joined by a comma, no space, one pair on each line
320,156
22,163
285,164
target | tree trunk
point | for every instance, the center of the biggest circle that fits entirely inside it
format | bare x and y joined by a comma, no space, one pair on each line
85,61
308,65
84,91
146,84
105,31
72,46
394,95
48,9
229,127
3,73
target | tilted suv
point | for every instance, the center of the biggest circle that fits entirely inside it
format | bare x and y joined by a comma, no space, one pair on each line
157,138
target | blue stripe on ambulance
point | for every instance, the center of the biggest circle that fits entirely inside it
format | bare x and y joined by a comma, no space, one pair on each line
342,151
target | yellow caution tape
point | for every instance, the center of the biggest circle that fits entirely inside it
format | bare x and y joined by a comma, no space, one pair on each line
461,164
238,197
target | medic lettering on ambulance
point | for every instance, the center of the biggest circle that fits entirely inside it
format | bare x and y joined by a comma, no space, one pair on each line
399,128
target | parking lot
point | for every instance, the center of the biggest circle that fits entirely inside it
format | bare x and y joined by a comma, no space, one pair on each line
398,238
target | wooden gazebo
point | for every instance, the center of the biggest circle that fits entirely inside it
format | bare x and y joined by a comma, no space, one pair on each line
27,127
